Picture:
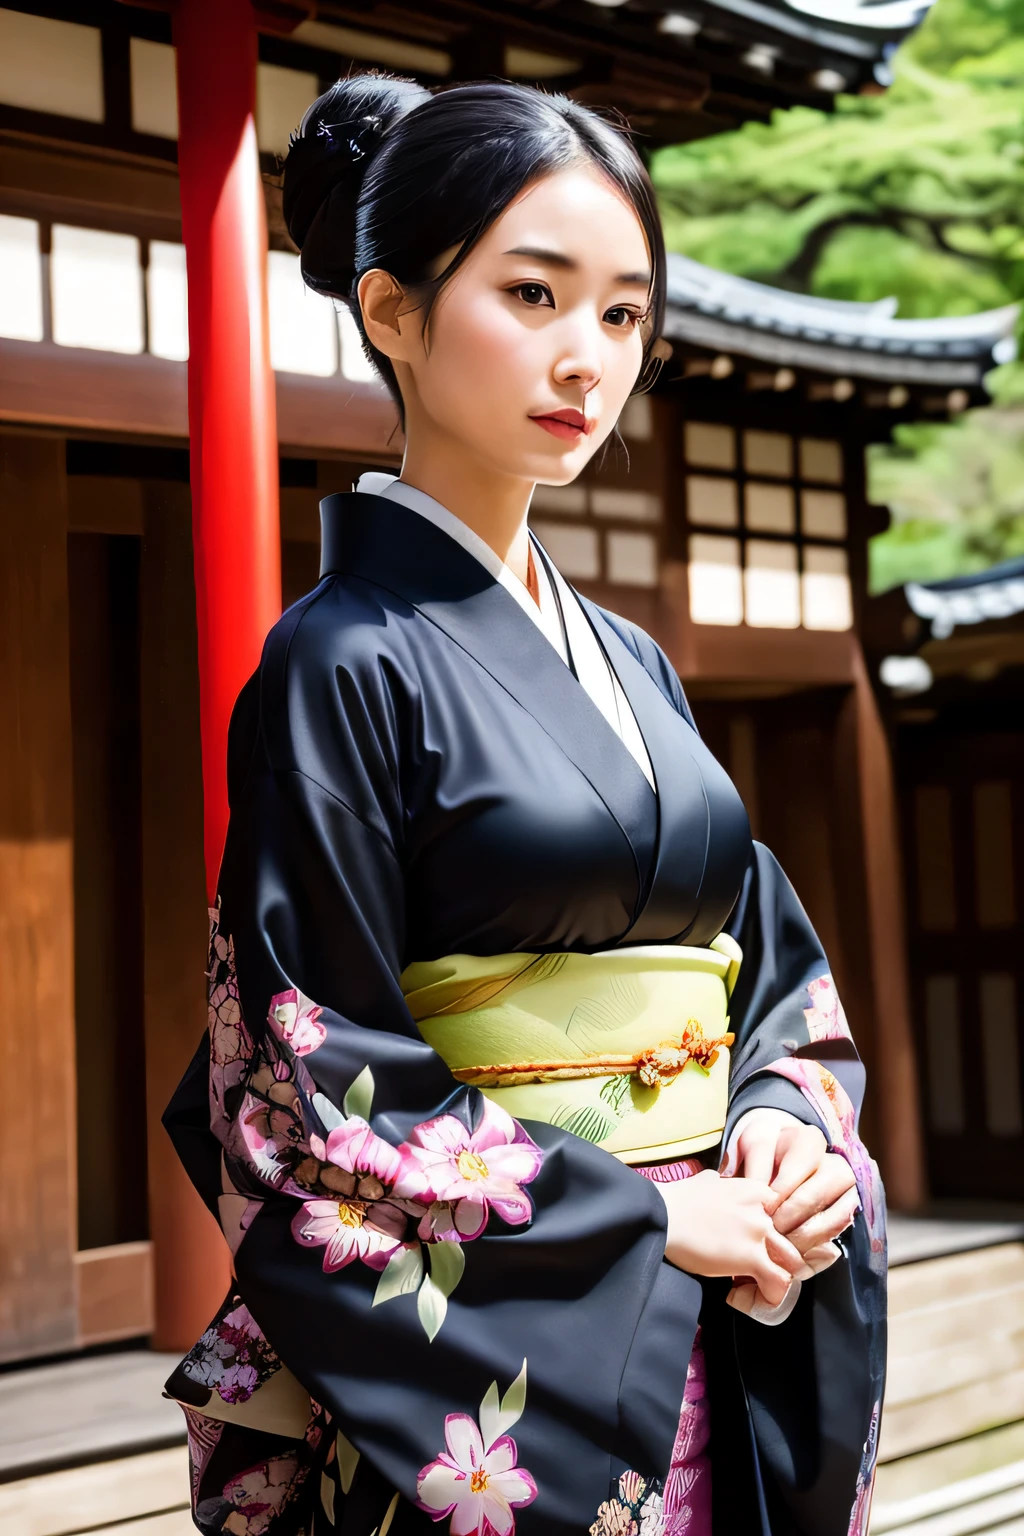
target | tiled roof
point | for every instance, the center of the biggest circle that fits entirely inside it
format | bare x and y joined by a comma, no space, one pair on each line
723,313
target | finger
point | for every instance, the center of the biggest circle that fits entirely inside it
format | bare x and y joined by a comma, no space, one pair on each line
826,1224
773,1281
802,1157
756,1159
822,1257
787,1257
821,1190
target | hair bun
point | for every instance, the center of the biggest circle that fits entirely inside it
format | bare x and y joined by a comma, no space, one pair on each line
326,162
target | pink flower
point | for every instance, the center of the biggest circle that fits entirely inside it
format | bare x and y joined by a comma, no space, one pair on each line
479,1488
362,1223
826,1019
238,1383
473,1171
295,1020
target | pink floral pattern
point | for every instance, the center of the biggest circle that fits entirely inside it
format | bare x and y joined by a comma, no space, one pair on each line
470,1173
232,1358
360,1221
476,1479
260,1494
296,1022
826,1018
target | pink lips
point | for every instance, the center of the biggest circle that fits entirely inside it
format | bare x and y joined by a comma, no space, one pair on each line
568,424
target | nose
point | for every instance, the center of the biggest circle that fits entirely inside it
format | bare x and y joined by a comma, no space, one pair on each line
579,362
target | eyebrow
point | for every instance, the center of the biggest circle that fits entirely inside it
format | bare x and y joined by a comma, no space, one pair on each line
559,259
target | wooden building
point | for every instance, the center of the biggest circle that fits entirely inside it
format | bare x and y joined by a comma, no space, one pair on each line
730,520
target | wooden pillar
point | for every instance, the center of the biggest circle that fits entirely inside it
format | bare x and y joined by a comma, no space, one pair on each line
871,872
231,400
191,1265
38,1312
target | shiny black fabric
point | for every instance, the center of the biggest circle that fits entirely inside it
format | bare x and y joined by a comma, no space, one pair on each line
413,773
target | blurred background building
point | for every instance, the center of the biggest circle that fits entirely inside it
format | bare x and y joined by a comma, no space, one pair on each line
860,678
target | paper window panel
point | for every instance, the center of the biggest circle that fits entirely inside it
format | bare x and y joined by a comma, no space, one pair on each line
712,501
96,289
303,333
823,514
51,66
945,1057
575,551
769,508
995,898
21,287
636,422
167,300
768,453
771,585
821,459
1001,1054
632,559
708,445
154,88
563,500
715,579
628,506
936,879
825,589
282,97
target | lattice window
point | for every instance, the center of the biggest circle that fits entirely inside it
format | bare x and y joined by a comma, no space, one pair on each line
767,529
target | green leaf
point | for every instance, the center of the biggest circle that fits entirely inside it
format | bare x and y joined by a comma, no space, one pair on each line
513,1403
490,1416
432,1307
496,1421
403,1274
359,1099
447,1265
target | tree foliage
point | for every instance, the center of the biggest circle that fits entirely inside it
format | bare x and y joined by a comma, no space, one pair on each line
917,193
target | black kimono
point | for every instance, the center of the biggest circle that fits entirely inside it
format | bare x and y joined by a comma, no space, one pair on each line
415,773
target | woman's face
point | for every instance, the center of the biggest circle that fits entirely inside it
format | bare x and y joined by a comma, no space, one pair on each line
533,347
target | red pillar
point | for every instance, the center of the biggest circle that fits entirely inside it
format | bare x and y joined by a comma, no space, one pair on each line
232,410
235,527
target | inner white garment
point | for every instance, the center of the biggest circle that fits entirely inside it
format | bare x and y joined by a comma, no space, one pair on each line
576,643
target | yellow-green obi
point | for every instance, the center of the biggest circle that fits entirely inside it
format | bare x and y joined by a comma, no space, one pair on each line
628,1048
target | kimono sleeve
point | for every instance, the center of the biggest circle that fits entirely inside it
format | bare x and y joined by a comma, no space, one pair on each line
431,1271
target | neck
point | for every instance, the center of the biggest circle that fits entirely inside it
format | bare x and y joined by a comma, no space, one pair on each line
493,505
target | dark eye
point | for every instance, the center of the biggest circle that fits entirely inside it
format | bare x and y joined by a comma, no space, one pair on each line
532,293
621,317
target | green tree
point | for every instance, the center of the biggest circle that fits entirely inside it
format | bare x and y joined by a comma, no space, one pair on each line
918,193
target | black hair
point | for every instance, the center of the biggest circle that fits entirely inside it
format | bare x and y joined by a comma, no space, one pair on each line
384,173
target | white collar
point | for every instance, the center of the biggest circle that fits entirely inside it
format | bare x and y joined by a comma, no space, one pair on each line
546,615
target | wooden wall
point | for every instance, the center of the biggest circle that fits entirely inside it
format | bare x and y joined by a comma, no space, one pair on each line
37,1043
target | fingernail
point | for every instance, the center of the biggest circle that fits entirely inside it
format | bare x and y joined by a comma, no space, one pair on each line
805,1272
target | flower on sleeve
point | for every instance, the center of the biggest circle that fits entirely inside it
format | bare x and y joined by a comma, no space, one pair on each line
476,1479
361,1222
295,1021
472,1172
826,1018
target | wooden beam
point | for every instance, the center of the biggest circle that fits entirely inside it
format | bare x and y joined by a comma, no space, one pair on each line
37,1045
115,1292
81,391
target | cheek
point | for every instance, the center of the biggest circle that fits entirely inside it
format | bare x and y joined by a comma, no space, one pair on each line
481,353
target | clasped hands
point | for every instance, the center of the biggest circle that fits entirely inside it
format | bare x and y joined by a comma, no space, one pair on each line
769,1215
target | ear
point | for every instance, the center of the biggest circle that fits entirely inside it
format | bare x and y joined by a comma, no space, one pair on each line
391,326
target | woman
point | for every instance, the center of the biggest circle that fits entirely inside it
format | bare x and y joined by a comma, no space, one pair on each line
496,972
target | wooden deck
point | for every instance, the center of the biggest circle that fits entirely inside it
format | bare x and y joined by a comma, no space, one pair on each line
88,1445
